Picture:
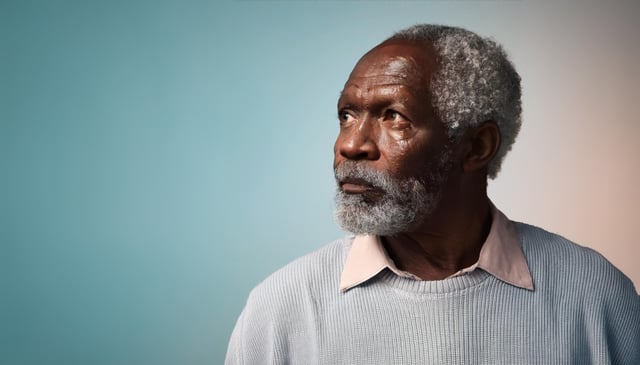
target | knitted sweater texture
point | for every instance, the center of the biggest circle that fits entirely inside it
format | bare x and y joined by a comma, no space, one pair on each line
582,311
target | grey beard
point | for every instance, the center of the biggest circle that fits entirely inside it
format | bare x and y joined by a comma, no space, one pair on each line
403,206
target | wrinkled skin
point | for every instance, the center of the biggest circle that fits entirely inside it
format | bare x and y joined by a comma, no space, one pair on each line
386,119
387,122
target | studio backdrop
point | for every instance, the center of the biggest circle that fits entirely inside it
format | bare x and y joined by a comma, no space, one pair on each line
158,159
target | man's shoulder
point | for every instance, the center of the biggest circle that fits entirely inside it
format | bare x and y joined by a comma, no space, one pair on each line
558,259
281,306
307,275
553,249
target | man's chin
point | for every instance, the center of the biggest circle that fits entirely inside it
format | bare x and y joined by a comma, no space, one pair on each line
366,218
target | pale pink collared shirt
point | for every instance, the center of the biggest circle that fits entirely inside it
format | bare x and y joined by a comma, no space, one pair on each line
501,256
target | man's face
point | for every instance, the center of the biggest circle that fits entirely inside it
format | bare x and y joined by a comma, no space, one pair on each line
391,156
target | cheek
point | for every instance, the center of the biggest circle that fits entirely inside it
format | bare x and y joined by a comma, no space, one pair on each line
397,155
408,157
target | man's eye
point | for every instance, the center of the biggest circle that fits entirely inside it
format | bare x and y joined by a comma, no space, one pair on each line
345,117
398,120
392,114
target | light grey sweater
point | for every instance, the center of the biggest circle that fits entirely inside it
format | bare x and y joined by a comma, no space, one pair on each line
582,311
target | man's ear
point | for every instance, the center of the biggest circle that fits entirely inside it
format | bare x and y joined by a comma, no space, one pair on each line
483,144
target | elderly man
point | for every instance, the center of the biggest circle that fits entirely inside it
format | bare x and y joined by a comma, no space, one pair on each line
434,273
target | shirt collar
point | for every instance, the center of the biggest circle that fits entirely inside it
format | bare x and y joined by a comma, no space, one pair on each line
501,256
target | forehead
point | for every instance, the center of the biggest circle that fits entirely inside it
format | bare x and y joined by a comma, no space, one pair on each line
395,63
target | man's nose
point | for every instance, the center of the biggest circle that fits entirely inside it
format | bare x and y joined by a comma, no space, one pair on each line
359,142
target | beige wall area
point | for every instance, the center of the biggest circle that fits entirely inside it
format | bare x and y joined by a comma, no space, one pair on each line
575,169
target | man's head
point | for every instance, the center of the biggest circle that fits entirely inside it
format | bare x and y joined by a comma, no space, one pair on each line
419,111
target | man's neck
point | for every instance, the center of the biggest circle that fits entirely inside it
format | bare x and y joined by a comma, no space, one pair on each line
447,242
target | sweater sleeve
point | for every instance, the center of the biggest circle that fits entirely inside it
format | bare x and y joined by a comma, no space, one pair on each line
235,348
623,324
257,337
253,339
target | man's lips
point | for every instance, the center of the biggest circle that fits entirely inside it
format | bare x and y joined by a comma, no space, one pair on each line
356,186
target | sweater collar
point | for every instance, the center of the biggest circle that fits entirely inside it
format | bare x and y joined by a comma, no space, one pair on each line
501,256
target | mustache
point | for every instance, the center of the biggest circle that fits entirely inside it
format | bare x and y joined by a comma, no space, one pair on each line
354,172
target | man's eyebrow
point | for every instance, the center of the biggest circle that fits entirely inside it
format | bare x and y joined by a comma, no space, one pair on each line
341,93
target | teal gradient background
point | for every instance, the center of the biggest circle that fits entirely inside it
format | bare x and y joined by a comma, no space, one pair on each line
158,159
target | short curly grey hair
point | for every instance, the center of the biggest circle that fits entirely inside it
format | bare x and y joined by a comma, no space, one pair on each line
475,83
